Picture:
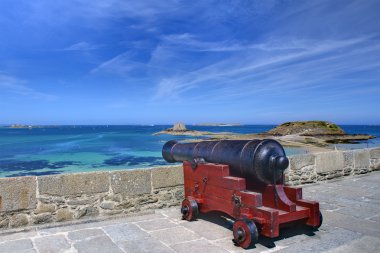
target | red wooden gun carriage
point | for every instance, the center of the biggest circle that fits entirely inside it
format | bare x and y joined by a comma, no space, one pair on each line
245,180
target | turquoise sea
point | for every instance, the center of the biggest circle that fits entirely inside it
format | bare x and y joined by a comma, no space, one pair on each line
68,149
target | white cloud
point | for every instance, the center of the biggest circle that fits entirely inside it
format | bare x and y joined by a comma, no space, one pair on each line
82,46
18,86
312,63
120,64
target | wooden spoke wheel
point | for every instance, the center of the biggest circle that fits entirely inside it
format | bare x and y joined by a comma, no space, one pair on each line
245,233
189,209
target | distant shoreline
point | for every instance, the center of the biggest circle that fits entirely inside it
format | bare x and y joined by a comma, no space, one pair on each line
218,124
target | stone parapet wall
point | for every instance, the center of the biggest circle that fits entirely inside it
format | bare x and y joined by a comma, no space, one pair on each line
310,168
26,201
34,200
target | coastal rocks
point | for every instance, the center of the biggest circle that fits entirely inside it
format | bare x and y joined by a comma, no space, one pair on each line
178,127
316,133
307,128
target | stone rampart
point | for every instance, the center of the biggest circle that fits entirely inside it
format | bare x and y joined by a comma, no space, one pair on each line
310,168
46,199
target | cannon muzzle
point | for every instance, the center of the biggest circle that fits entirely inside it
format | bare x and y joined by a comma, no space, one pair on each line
258,160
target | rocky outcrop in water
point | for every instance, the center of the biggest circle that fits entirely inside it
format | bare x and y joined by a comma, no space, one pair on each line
307,128
180,129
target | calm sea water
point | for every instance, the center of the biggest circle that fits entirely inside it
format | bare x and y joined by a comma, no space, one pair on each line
67,149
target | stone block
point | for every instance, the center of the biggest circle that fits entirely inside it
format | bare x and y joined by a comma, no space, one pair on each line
131,182
4,223
42,218
91,211
374,153
297,162
87,200
361,160
64,215
19,220
107,205
167,177
329,162
375,164
17,193
74,184
348,162
44,208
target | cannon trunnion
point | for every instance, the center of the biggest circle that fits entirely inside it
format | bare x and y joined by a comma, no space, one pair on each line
243,179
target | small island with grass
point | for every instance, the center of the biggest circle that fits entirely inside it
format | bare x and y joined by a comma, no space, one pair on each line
312,135
317,132
307,128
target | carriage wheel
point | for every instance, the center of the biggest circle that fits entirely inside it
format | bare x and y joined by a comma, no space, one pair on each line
245,233
320,221
189,209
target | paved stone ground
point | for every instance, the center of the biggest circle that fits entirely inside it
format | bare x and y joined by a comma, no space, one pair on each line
351,210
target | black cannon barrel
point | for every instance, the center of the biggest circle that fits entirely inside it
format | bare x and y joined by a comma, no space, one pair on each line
262,160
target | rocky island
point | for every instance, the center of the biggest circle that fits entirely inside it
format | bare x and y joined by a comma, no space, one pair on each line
312,135
320,132
180,129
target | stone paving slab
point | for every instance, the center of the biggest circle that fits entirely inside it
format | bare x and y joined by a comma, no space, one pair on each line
175,235
23,245
197,246
126,231
44,245
152,225
363,244
145,246
350,207
97,244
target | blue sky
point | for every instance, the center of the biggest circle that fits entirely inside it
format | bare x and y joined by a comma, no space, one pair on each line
155,62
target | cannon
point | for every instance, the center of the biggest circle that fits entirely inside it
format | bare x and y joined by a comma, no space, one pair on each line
244,179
